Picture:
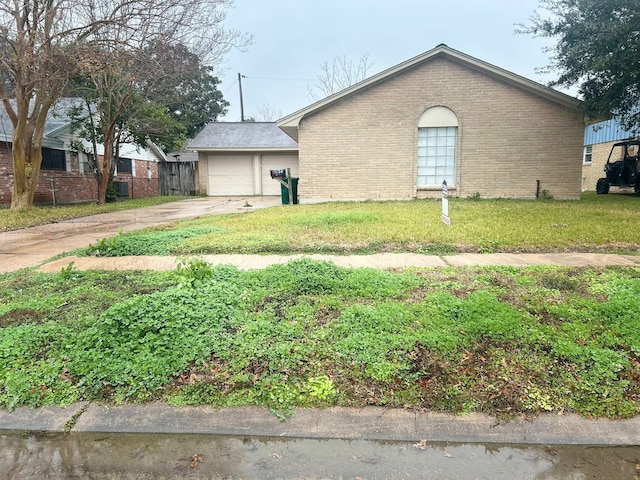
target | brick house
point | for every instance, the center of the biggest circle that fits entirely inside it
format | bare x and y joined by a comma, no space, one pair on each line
598,141
442,115
136,173
65,174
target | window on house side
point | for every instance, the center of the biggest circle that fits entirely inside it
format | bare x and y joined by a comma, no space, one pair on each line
53,159
436,156
124,165
587,154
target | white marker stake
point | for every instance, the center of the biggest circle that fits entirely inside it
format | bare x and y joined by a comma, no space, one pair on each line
445,204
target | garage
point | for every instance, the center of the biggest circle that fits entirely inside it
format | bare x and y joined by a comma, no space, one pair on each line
236,158
230,175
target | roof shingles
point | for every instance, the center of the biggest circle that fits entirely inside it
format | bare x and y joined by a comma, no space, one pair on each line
242,136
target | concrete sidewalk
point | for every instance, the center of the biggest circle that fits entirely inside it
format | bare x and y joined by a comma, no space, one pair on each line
369,423
380,261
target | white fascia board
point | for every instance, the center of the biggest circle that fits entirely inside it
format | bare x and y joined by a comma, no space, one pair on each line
241,150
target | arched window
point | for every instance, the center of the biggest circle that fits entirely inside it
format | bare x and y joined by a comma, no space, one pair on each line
437,138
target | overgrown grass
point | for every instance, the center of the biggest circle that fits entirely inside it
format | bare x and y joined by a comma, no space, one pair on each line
501,340
162,240
599,223
10,220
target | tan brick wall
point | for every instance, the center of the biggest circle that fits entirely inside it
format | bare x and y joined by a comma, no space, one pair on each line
592,172
365,146
202,180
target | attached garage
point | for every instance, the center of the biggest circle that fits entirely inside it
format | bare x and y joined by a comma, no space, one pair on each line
230,175
236,158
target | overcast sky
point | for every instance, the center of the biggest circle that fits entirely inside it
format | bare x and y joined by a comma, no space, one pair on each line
292,38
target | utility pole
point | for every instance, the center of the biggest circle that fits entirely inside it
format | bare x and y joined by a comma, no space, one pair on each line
241,103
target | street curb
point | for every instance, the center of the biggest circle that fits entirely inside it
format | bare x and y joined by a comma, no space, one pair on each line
369,423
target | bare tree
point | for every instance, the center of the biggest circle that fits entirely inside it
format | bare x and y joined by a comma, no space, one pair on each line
45,43
268,113
338,75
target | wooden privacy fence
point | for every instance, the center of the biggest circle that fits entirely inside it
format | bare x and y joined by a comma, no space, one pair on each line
177,178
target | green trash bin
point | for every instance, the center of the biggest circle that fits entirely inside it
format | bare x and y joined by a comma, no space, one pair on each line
284,191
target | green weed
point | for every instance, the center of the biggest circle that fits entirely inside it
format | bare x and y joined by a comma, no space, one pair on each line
437,249
153,241
193,273
501,340
318,391
139,344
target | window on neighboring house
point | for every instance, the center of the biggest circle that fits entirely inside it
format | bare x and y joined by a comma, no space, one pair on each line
53,159
437,138
124,166
587,154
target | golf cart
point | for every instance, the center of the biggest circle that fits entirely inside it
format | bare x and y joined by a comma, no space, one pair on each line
622,172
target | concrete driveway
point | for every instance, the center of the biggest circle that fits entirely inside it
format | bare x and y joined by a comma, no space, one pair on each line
31,247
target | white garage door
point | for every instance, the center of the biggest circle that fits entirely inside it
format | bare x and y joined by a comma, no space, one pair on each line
230,175
276,162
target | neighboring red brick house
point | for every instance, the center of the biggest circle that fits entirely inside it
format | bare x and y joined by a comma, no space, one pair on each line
65,176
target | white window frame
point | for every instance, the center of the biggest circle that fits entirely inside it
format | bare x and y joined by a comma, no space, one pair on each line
437,156
587,156
437,148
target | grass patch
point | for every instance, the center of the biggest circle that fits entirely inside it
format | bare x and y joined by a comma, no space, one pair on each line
10,220
163,240
502,340
594,224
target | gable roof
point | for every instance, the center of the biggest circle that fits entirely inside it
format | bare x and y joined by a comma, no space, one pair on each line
57,129
57,122
242,136
290,123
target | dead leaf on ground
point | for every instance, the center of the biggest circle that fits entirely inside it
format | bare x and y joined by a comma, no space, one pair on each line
195,460
422,445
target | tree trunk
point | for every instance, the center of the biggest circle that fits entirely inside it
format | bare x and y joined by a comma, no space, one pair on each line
27,159
105,169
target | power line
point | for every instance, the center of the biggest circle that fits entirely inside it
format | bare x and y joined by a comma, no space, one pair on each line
230,87
282,79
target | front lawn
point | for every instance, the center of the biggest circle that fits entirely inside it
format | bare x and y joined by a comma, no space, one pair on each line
599,223
506,341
